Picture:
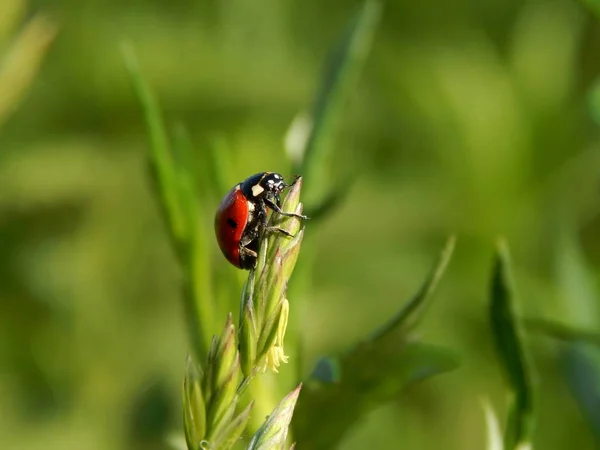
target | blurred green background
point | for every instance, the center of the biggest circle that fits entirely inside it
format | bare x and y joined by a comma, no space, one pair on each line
471,117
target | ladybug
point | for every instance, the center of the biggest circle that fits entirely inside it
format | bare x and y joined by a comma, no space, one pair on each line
242,216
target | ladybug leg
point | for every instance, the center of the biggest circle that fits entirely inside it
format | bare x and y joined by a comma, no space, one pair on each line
263,218
248,258
247,239
247,252
278,230
275,207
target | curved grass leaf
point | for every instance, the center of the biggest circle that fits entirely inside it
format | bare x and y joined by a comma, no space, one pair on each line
232,433
341,74
174,187
196,258
370,375
580,359
594,93
506,330
415,309
593,5
272,435
331,201
11,14
21,63
344,388
581,368
162,165
218,162
561,331
194,406
494,435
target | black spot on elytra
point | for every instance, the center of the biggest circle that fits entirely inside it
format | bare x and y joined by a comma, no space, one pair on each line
232,223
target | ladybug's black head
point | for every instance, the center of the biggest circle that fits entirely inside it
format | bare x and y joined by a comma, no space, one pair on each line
263,185
273,182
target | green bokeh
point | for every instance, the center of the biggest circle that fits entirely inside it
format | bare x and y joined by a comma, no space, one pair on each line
470,117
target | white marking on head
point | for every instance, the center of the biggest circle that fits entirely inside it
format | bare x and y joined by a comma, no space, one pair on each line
250,206
257,189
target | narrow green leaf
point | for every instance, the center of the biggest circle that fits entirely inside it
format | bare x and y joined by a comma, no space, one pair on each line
576,281
581,367
580,358
210,368
227,352
291,251
225,395
594,6
218,162
175,187
194,406
162,163
594,93
506,330
267,337
341,75
494,434
331,201
248,340
231,434
372,373
185,187
415,309
594,101
11,14
273,433
369,375
261,266
216,429
561,331
198,249
272,286
22,61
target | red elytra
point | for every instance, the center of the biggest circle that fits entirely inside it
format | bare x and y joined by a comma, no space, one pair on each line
230,222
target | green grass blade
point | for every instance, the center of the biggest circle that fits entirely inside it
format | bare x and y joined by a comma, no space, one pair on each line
341,75
194,405
273,433
506,330
22,61
162,165
175,186
494,435
580,358
581,367
11,14
415,309
331,201
219,164
593,5
231,434
561,331
344,388
594,101
198,248
363,379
